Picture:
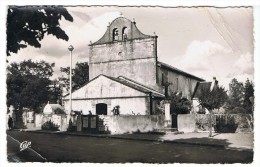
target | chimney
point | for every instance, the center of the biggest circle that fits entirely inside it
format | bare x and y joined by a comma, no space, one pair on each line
214,83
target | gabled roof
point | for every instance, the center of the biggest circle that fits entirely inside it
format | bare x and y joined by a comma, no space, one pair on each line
56,108
120,23
129,83
138,86
199,87
174,69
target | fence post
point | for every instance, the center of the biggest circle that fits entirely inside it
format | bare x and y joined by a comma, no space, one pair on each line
167,115
210,123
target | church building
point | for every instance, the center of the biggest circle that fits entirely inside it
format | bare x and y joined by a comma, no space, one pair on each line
125,73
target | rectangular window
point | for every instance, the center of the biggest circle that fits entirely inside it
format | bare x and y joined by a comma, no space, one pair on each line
162,79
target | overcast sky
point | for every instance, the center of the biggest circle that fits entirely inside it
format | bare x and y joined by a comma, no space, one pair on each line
205,42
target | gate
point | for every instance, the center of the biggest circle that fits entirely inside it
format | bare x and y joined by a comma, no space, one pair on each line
174,121
90,123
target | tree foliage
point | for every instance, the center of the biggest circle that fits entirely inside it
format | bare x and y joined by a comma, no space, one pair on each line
236,96
212,99
80,76
241,97
28,25
56,92
248,102
29,84
179,104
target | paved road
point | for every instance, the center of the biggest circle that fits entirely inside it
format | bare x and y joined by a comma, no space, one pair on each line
14,154
68,148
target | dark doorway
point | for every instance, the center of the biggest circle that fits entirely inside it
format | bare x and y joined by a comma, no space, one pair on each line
101,109
174,120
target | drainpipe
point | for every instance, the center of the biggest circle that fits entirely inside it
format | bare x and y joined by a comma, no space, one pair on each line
151,103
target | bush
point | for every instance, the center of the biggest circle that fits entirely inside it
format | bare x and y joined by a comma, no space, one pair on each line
49,125
202,121
226,124
238,110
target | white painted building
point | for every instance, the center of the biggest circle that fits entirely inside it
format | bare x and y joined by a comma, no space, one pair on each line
124,71
102,94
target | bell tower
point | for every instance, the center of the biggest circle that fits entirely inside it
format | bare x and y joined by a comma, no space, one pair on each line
125,51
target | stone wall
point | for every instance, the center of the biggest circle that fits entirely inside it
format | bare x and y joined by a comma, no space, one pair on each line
119,124
225,122
38,120
179,82
186,123
135,59
58,119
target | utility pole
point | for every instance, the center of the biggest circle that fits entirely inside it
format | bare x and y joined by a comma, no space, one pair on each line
70,49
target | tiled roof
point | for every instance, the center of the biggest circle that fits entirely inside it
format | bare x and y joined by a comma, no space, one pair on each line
199,87
138,86
127,82
174,69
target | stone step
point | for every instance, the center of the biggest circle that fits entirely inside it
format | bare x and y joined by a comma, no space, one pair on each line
170,130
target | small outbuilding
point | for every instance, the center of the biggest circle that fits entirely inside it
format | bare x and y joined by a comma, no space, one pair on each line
54,113
53,109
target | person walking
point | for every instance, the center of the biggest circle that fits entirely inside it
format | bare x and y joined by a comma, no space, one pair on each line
10,122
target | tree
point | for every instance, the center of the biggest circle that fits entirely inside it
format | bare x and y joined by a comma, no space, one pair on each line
56,92
211,100
28,25
248,96
179,104
29,84
236,96
80,76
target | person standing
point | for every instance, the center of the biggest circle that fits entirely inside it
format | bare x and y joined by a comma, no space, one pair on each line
10,122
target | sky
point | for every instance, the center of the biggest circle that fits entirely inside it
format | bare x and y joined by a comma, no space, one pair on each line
203,41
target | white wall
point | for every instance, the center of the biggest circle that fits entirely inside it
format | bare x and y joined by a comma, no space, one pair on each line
110,92
127,105
104,87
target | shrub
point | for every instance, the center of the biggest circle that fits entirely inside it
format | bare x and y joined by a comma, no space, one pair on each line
238,110
49,125
59,111
202,121
226,124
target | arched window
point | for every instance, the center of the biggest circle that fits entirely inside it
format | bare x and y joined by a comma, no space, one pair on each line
101,109
124,33
115,34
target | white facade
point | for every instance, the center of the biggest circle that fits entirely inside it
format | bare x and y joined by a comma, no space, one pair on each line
50,108
128,106
111,93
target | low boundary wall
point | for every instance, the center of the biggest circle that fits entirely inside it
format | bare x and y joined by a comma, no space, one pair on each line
119,124
223,123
